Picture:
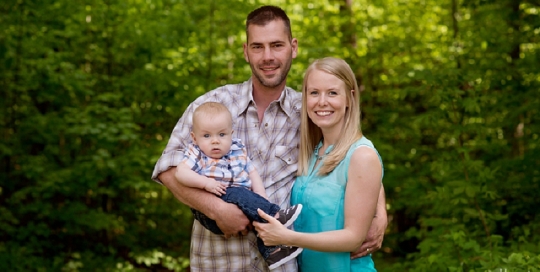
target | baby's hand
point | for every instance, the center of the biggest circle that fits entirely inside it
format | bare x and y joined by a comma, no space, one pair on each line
215,187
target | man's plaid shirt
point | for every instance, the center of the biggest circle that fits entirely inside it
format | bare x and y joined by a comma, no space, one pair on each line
273,147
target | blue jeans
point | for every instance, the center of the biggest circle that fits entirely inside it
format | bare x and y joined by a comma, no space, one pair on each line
248,202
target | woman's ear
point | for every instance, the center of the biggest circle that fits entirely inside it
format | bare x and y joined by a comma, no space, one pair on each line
352,97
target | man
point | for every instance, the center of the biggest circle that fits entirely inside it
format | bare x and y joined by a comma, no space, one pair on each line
267,119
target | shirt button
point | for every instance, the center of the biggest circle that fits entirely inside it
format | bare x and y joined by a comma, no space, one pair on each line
266,124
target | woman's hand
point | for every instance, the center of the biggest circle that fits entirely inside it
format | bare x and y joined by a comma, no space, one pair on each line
272,233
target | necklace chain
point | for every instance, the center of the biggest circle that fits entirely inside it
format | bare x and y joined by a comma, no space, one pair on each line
316,151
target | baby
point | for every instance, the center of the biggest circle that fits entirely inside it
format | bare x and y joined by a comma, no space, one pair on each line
220,165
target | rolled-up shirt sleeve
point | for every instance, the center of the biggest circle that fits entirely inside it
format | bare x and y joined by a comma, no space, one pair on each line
174,151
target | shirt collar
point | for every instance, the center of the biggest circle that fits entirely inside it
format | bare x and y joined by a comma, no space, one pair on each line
289,106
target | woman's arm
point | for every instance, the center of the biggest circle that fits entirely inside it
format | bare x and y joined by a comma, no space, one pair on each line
361,197
375,235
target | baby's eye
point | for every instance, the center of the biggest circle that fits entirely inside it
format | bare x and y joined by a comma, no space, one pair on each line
222,134
206,135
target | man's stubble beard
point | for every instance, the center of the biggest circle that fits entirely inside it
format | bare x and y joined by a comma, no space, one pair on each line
281,76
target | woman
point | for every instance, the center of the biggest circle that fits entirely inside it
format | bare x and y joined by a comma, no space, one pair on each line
339,175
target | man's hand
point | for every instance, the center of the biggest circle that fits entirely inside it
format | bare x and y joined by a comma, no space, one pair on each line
232,221
229,218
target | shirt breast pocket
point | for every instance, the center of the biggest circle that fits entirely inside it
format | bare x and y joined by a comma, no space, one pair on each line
324,197
282,168
287,154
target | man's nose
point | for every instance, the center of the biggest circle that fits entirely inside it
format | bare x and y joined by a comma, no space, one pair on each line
268,53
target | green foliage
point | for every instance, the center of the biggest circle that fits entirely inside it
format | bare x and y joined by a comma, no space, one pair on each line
461,103
91,90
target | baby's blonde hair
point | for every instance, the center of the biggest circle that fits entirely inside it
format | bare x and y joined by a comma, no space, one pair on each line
210,109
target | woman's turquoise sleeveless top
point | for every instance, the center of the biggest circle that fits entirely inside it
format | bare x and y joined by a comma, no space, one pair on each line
323,199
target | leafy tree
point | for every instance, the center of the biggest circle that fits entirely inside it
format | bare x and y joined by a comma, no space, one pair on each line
91,90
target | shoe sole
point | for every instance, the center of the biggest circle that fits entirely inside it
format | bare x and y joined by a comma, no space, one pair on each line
295,216
286,259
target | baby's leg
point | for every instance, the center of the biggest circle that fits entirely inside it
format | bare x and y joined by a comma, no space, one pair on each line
288,216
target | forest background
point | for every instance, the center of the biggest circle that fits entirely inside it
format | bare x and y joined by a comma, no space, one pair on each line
92,89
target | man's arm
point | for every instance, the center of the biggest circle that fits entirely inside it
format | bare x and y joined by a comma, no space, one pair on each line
228,217
375,235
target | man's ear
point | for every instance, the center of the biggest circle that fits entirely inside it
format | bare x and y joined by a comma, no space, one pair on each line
294,46
246,57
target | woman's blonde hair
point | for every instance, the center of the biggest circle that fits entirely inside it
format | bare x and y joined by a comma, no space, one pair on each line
311,135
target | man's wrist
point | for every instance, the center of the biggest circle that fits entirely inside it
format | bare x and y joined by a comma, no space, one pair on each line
218,208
